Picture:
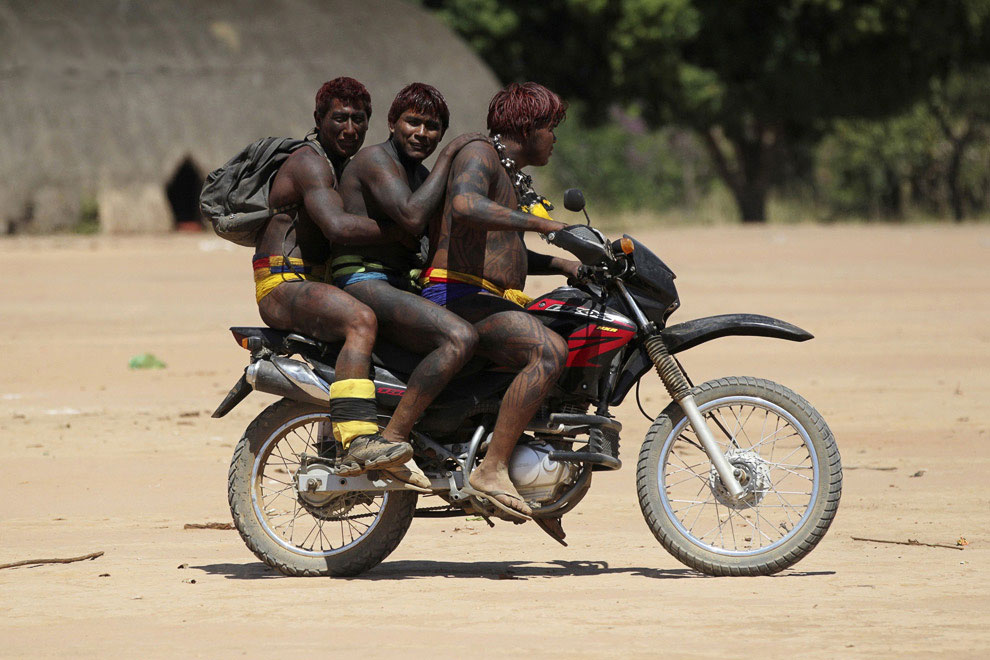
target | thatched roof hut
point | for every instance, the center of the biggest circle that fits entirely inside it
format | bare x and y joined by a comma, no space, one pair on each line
126,103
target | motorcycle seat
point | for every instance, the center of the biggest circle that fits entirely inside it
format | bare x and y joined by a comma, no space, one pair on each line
385,354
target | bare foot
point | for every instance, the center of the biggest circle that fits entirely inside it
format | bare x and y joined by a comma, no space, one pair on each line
496,485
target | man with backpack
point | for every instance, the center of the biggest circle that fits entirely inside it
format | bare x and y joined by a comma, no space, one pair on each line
389,183
292,250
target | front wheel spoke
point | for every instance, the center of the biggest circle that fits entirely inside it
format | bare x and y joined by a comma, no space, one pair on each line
743,423
775,440
779,425
738,427
721,427
718,517
688,508
792,472
798,448
700,510
739,516
786,507
694,475
688,468
701,537
791,466
759,517
731,435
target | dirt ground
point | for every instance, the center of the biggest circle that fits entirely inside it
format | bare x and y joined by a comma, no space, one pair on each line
98,457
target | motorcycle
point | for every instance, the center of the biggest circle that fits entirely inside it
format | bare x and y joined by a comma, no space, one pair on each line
736,476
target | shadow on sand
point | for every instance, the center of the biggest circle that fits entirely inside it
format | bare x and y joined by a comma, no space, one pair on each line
487,570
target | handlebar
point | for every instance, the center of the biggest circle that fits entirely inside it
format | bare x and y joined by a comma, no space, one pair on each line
583,242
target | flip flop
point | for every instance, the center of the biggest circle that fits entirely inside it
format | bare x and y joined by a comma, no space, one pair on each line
499,505
410,474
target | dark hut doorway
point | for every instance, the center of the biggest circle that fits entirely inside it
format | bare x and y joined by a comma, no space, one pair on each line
183,191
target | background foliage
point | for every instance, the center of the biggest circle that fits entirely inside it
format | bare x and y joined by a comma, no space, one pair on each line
869,108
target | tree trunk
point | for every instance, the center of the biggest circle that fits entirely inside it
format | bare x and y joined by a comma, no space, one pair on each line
748,173
752,202
955,165
958,145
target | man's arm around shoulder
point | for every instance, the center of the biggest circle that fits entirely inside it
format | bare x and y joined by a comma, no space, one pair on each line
314,183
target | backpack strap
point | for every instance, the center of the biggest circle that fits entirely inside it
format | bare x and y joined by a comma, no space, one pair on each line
318,148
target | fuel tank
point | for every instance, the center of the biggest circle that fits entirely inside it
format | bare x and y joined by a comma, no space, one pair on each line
595,334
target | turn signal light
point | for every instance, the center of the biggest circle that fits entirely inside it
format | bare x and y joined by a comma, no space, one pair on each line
627,245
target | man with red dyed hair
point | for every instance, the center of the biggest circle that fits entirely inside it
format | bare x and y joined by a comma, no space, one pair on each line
388,182
289,270
479,263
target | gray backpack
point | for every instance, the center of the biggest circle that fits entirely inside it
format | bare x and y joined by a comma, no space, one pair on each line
235,195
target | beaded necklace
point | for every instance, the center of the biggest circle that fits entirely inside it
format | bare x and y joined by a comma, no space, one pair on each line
521,182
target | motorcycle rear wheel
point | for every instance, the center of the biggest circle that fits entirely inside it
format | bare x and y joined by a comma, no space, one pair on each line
339,535
791,465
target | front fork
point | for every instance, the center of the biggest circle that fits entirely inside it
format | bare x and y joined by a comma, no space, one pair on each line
677,386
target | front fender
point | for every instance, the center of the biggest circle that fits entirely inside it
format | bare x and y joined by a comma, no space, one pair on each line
689,334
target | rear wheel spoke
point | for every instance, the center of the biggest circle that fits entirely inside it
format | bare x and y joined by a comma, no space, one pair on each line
303,523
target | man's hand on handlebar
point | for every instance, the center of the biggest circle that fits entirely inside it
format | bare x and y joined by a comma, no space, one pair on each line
551,226
582,274
570,268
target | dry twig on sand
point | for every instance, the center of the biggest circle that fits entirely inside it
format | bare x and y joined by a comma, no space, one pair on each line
209,525
67,560
909,542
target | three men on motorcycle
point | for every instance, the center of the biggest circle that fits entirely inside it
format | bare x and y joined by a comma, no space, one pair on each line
478,264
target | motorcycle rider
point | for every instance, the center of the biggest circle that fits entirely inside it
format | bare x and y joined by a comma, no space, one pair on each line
289,270
479,263
389,183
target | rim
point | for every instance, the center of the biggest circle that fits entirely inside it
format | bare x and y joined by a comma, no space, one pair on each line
319,529
781,466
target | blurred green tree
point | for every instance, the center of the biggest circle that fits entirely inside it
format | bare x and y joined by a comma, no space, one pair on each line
960,103
754,78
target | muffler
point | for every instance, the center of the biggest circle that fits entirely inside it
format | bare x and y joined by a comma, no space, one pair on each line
288,378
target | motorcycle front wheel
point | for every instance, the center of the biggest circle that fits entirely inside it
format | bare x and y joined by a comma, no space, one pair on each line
307,534
789,466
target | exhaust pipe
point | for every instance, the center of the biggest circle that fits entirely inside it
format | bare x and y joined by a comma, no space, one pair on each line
288,378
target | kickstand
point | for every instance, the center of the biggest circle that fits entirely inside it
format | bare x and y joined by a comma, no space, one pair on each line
487,519
552,527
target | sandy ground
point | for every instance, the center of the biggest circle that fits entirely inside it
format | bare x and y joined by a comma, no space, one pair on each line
97,457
